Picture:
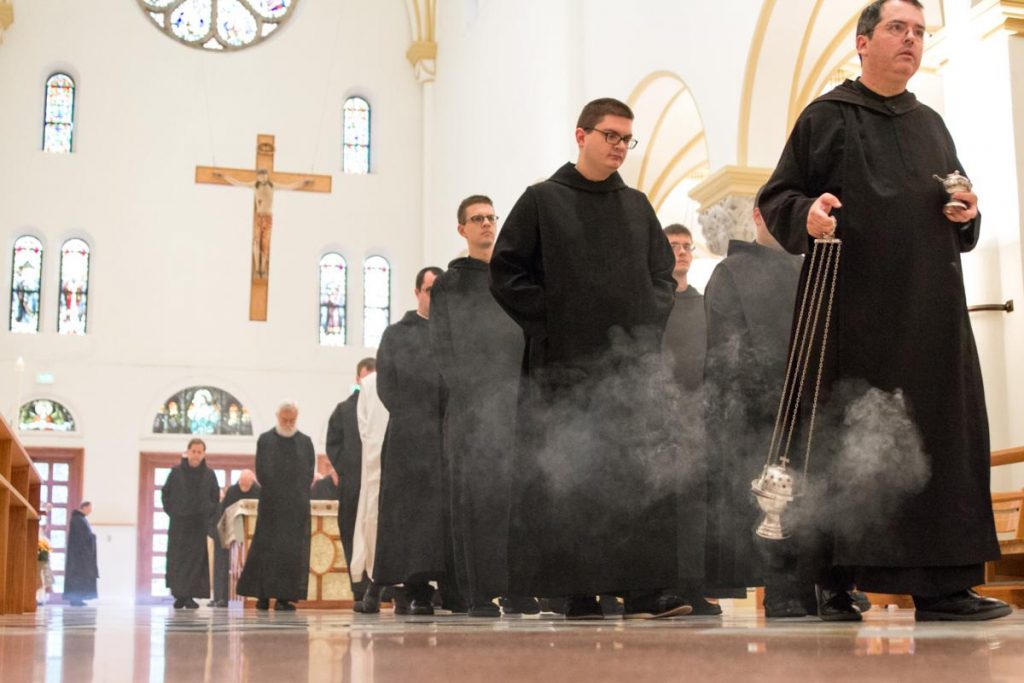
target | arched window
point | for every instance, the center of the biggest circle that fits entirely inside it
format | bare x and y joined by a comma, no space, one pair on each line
26,276
59,114
202,410
376,299
355,123
45,415
333,293
74,287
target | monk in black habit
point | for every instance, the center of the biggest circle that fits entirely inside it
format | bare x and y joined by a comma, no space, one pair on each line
914,517
479,351
190,497
345,451
80,568
583,267
278,562
245,487
749,299
414,528
685,346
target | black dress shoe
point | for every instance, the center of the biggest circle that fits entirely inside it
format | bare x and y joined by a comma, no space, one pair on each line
179,603
422,608
485,610
583,607
370,604
220,603
191,604
655,606
79,603
702,607
860,601
963,606
263,604
284,605
610,606
784,608
516,605
837,606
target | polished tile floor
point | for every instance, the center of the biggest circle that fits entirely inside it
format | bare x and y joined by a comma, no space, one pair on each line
120,643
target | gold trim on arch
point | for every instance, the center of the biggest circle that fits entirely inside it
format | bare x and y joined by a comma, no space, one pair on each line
649,148
821,66
648,81
743,140
6,15
676,158
690,172
804,44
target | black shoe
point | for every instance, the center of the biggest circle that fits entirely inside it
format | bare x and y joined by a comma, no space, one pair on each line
370,604
191,604
421,608
655,606
552,605
220,603
211,603
179,603
837,606
512,606
284,605
79,603
963,606
485,610
860,601
582,607
703,608
610,605
784,608
263,604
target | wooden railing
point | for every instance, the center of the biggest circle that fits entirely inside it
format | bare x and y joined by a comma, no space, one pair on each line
1008,456
19,525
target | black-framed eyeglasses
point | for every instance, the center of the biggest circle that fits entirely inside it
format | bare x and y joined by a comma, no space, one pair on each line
680,248
488,217
899,29
613,138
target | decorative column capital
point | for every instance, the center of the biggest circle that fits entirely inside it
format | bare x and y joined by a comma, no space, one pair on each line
729,218
422,54
993,17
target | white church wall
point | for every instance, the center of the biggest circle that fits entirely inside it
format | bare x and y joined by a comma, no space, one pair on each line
170,258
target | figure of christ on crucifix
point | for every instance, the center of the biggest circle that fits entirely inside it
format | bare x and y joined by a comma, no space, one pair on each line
263,180
263,210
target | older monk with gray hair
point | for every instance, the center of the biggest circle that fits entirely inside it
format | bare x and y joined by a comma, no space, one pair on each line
278,562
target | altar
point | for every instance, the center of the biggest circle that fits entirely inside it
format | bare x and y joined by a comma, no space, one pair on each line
329,586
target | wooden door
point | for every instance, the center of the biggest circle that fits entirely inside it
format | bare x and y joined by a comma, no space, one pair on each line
151,571
60,471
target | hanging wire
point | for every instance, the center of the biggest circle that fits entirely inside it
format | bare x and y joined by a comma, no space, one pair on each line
822,276
205,84
327,87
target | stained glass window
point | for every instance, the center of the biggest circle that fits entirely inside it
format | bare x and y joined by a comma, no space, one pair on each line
333,291
376,299
74,287
202,410
355,122
26,278
59,114
45,415
218,24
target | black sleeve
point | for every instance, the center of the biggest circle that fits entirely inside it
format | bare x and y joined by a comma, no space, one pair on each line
801,175
169,494
661,262
336,437
388,388
440,327
516,271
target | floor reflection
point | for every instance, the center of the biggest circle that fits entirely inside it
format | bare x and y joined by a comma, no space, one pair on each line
161,645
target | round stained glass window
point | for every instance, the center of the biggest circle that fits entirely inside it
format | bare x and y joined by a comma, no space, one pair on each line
218,24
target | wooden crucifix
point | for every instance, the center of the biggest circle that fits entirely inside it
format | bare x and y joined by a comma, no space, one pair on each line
263,180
